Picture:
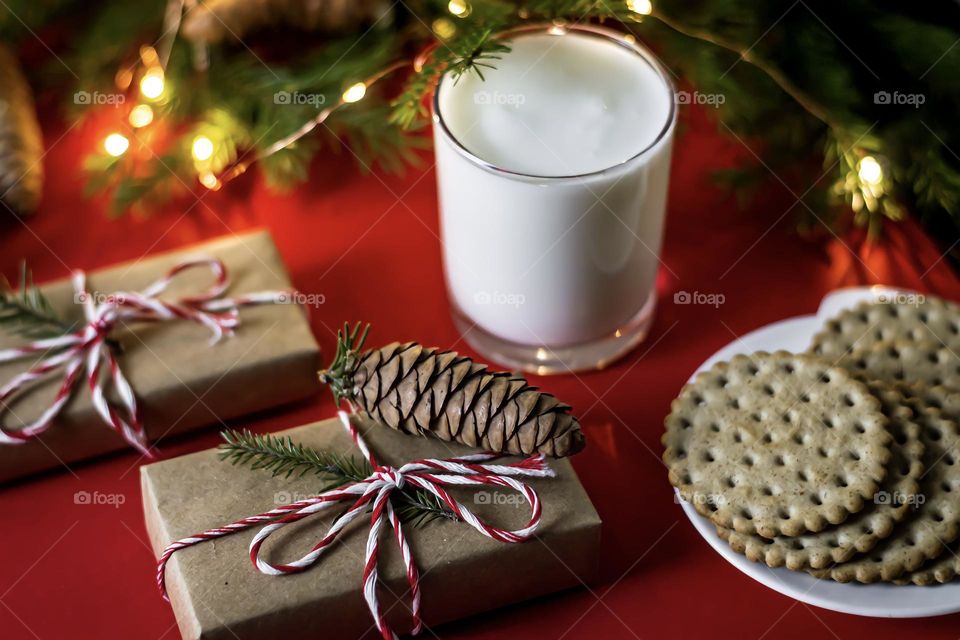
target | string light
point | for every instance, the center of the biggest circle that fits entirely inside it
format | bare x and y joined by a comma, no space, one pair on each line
444,28
640,7
870,171
140,116
355,93
152,83
116,144
202,148
209,180
459,8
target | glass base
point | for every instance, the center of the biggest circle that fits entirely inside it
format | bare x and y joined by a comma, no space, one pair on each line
556,359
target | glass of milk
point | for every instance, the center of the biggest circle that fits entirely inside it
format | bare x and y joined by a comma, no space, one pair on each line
552,175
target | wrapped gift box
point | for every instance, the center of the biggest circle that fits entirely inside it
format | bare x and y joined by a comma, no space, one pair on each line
180,380
217,593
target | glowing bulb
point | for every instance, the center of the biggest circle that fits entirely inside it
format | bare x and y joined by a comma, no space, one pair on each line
870,171
116,145
140,116
444,28
642,7
209,180
202,148
459,8
152,84
355,93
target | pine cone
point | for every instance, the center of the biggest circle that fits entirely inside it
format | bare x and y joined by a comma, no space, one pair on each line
218,20
21,143
420,390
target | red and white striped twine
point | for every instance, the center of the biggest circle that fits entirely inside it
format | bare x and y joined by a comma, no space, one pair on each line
374,492
85,350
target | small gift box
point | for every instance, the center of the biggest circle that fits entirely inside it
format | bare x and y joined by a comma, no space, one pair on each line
149,325
458,570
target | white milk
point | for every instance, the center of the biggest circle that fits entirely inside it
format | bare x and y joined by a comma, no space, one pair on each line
552,178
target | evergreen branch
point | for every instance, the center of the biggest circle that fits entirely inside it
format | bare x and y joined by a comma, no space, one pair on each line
282,456
26,312
339,375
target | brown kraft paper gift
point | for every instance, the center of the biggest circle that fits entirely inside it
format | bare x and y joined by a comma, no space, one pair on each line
181,381
217,593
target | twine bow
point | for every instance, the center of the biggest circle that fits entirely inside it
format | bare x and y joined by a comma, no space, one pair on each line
86,349
374,492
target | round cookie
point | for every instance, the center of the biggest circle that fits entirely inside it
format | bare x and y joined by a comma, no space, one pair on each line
776,444
863,530
927,362
936,521
933,320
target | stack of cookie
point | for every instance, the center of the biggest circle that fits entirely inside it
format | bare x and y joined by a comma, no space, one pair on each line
843,461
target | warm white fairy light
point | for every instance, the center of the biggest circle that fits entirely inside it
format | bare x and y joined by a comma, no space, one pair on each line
202,149
355,93
152,83
641,7
116,144
140,116
870,171
444,28
209,180
459,8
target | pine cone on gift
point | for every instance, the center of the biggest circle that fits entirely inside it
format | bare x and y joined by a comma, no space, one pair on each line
218,20
21,143
419,391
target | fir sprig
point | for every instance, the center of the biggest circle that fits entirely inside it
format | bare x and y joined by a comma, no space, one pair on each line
283,456
26,312
339,375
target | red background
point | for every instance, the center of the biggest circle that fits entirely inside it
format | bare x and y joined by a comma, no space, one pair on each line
369,243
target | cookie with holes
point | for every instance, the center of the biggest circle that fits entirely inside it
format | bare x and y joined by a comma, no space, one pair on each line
929,363
755,443
862,531
935,521
932,320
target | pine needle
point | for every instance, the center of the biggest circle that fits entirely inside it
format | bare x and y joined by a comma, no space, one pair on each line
26,312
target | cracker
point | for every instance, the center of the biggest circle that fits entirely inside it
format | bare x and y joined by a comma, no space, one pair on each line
929,363
933,320
863,530
751,442
936,522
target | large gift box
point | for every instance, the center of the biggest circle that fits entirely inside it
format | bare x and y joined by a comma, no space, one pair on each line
216,592
180,380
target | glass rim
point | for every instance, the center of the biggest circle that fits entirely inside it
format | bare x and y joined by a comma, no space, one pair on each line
611,35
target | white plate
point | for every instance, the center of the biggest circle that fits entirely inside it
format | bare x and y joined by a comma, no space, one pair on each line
875,600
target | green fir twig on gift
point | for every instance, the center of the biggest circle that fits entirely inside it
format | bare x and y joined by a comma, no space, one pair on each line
281,456
26,312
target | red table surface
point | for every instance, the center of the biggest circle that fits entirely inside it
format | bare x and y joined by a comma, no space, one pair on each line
369,244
